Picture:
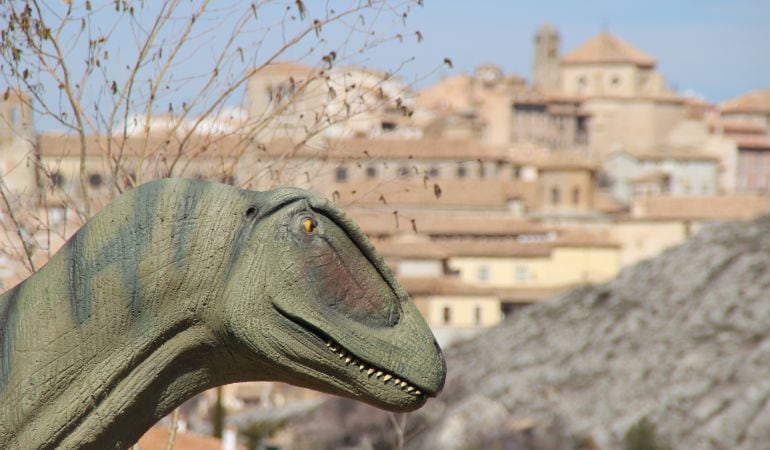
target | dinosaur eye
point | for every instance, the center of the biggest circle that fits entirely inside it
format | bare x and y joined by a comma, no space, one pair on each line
308,224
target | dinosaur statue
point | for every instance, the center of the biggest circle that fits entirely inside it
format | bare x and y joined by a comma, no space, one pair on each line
178,286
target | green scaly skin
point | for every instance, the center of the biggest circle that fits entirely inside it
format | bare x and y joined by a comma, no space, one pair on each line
179,286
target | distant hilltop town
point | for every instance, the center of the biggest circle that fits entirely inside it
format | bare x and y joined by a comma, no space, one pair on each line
485,193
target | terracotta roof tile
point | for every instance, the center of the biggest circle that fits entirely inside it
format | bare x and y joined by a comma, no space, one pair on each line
413,149
752,102
156,438
753,142
721,207
469,194
465,247
453,286
57,145
440,223
606,203
743,126
606,48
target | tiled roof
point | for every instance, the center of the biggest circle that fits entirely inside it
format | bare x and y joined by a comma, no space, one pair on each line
58,145
438,223
719,207
565,160
469,194
156,438
606,203
671,153
413,149
752,102
465,247
606,48
743,126
488,247
753,142
453,286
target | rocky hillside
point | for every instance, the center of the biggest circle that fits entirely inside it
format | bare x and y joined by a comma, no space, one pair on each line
682,339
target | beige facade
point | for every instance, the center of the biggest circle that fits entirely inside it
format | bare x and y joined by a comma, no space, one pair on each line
634,124
643,239
565,188
563,266
17,156
456,317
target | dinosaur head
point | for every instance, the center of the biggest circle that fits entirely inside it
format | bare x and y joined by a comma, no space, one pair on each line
325,311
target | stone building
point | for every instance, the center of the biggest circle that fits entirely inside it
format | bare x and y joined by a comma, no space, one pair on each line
626,98
17,156
546,72
746,120
288,100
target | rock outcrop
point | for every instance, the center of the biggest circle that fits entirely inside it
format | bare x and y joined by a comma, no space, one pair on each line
682,339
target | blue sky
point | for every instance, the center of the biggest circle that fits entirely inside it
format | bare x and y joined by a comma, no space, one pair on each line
717,48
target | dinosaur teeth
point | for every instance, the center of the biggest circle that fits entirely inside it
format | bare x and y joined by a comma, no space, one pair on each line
362,366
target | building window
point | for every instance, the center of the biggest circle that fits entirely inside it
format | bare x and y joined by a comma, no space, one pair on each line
615,80
483,273
582,82
371,172
576,196
341,174
516,172
461,171
14,117
433,172
388,126
447,315
477,315
482,170
95,180
522,273
555,196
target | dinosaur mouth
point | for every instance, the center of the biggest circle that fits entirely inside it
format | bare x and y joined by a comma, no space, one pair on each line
371,371
368,370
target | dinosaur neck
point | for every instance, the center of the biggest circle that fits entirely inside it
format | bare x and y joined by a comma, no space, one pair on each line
133,316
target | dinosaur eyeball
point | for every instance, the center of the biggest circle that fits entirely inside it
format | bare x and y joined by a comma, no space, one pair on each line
308,224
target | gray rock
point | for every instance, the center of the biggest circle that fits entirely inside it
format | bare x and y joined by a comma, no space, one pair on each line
682,339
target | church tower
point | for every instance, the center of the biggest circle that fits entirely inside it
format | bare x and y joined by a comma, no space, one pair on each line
545,67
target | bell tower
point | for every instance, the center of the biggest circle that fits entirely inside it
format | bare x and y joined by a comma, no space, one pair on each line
545,66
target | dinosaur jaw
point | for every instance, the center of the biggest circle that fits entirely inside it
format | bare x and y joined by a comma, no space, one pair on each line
349,374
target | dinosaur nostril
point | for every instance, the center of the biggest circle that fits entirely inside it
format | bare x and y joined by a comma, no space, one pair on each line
250,212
